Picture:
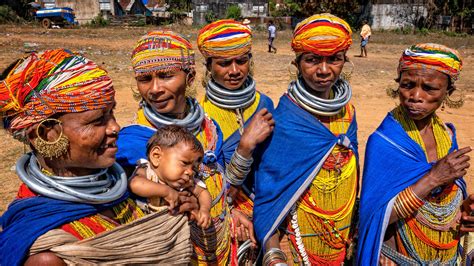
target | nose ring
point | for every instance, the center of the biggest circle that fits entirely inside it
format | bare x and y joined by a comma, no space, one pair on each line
114,132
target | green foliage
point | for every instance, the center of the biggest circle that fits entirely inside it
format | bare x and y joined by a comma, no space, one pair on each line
233,11
287,8
97,22
210,17
423,31
454,34
7,15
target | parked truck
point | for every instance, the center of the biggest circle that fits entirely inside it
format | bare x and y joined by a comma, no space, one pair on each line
59,16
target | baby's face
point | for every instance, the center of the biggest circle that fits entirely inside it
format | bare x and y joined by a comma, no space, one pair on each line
178,165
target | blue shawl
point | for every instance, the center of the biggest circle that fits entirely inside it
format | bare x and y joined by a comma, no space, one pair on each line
290,160
133,139
230,144
29,218
393,161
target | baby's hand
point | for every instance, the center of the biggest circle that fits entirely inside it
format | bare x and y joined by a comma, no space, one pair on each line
172,197
204,219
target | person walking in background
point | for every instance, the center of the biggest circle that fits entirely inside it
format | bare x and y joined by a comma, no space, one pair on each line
271,36
365,33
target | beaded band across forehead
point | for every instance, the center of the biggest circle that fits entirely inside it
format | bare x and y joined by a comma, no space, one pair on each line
162,51
431,56
322,34
55,81
224,38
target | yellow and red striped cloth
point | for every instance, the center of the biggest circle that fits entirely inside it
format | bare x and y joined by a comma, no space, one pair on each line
322,34
224,38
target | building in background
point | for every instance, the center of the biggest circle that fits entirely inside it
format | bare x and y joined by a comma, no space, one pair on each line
253,9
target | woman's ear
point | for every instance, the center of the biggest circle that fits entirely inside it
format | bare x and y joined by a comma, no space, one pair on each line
155,156
190,78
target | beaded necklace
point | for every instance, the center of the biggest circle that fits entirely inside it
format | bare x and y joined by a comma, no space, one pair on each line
427,235
319,229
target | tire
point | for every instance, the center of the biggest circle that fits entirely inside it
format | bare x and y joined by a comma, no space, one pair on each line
46,23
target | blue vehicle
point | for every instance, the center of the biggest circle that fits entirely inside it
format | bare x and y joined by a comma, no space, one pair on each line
60,16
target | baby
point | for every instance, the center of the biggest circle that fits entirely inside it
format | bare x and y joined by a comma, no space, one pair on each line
174,155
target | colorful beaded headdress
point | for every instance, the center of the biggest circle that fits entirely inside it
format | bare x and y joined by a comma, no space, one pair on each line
431,56
224,38
322,34
162,51
51,82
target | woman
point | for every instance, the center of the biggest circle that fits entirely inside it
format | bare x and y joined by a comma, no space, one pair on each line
164,66
232,99
61,105
311,159
413,220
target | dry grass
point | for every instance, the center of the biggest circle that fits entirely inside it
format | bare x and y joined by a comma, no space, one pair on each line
112,47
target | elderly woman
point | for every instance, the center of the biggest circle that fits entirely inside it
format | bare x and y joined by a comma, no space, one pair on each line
61,105
311,159
164,66
231,95
413,220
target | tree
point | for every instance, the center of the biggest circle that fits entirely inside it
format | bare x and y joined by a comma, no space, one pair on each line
234,12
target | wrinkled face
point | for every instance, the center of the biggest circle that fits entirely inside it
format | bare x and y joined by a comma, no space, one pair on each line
92,138
230,73
177,165
422,91
321,72
165,92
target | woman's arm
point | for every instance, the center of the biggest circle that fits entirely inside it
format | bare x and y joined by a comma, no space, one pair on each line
445,171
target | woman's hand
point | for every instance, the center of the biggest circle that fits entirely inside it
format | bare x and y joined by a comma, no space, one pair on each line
448,169
467,215
189,203
256,132
243,227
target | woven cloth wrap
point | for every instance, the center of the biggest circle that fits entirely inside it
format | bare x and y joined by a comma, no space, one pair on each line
158,238
162,51
432,56
224,38
322,34
54,81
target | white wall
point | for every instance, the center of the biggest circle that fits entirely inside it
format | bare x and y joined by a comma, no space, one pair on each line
390,16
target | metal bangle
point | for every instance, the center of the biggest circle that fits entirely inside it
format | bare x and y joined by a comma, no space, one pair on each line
274,255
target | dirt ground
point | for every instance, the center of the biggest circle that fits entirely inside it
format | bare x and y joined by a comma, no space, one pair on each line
112,47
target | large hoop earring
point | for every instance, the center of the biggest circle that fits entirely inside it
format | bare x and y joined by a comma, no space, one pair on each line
206,77
251,67
51,149
455,103
135,93
191,90
347,75
392,93
293,75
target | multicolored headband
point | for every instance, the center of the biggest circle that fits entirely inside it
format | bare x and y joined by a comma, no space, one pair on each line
322,34
51,82
432,56
224,38
162,51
